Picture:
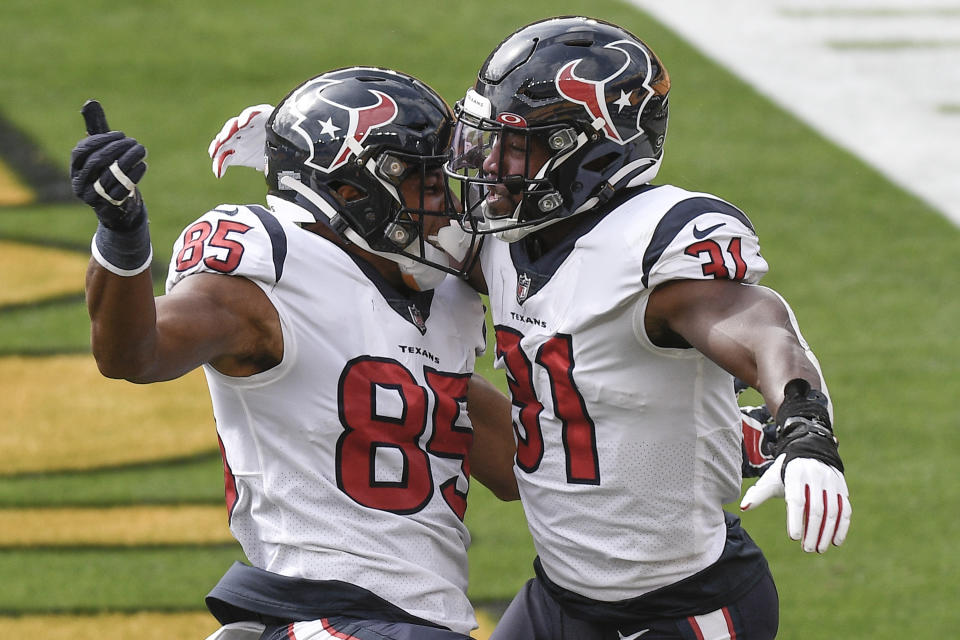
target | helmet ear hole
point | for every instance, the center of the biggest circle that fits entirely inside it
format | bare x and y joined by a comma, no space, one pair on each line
598,165
349,192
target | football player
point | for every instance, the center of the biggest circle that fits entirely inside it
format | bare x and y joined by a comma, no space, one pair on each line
623,310
338,355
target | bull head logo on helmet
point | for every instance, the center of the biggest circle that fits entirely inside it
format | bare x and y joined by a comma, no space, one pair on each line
349,123
620,114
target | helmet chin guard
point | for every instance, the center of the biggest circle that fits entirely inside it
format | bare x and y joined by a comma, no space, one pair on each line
420,276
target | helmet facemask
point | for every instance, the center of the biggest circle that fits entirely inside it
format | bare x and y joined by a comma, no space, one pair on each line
419,230
506,173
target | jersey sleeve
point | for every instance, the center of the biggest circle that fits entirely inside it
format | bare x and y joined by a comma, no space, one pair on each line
703,238
230,240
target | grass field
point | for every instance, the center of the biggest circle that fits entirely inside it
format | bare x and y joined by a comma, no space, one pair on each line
871,272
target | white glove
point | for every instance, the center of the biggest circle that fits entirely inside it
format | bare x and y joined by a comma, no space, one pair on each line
818,503
241,141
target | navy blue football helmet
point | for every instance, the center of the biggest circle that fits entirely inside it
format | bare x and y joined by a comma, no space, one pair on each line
587,101
370,129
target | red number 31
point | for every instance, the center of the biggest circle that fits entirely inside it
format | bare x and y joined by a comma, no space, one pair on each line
715,266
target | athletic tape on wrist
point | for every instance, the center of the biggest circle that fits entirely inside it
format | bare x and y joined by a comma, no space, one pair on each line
800,400
804,429
123,253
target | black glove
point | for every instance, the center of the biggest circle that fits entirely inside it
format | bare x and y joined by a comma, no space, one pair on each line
803,426
105,168
104,171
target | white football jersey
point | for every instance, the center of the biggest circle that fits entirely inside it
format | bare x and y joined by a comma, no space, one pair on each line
626,451
345,461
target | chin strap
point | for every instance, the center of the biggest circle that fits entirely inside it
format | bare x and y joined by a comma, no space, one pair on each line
513,234
419,276
416,275
454,240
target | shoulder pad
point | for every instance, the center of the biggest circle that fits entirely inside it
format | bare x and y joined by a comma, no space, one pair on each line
703,237
232,240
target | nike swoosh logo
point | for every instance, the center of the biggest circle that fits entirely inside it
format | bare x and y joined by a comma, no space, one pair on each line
700,234
632,635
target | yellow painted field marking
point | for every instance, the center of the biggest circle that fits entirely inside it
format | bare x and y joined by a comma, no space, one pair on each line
486,626
141,626
12,191
29,273
126,526
60,413
138,626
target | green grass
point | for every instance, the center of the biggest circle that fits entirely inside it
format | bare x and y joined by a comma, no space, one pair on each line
99,580
501,554
870,271
197,480
46,329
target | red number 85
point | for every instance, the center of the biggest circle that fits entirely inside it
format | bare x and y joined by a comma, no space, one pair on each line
370,429
195,237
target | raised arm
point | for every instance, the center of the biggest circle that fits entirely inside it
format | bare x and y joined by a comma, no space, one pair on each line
224,320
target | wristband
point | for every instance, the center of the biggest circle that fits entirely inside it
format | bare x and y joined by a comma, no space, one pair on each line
805,438
800,400
124,253
803,426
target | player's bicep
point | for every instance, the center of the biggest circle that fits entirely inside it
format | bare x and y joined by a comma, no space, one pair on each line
226,321
729,322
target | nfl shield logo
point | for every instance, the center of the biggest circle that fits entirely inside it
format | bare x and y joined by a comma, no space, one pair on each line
523,287
417,318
